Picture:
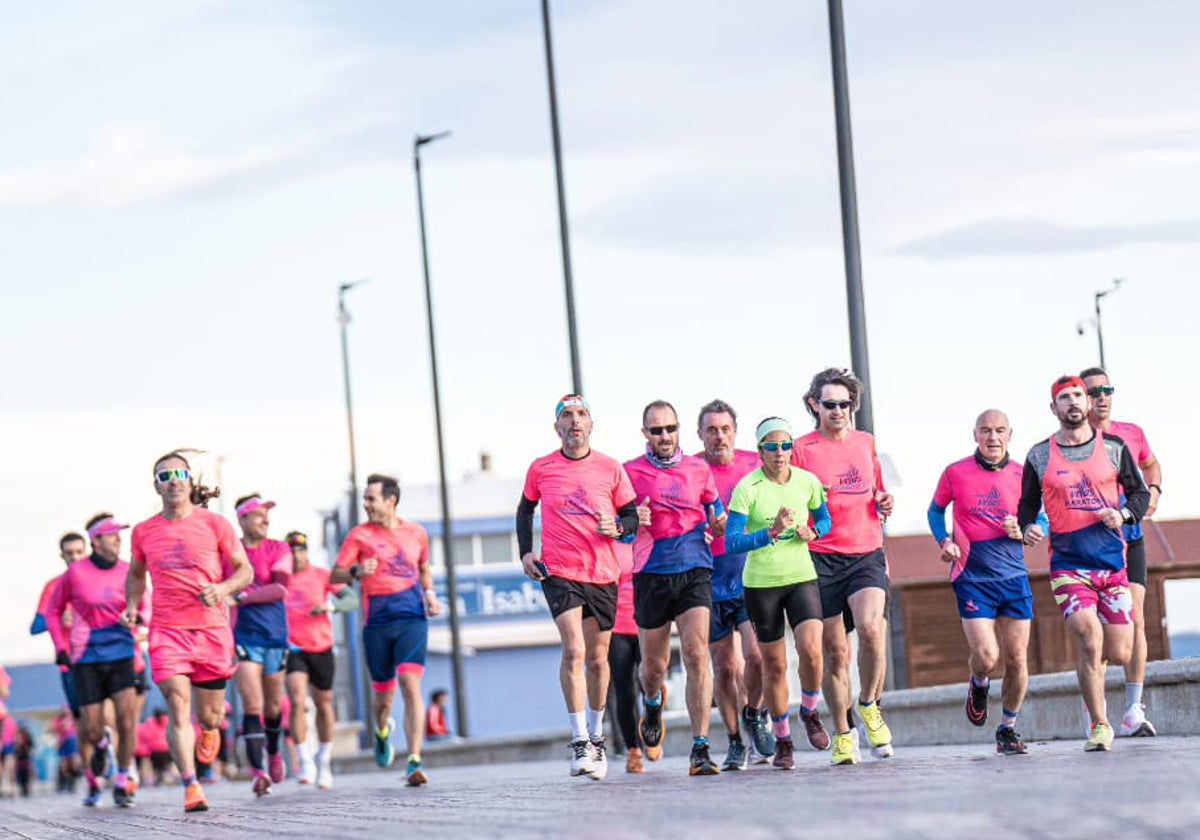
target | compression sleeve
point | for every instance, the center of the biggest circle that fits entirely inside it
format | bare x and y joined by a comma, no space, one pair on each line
937,522
822,521
1031,496
1137,495
627,518
737,541
525,525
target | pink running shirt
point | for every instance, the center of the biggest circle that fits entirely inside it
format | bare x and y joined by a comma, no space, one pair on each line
393,592
982,499
678,519
573,494
308,589
182,556
851,473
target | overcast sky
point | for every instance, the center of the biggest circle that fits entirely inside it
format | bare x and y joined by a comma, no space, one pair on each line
183,185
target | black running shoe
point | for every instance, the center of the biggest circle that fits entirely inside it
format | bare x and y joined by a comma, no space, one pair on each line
977,700
701,764
122,797
1008,742
651,727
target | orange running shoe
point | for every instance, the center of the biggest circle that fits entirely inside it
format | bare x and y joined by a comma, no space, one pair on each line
194,799
208,746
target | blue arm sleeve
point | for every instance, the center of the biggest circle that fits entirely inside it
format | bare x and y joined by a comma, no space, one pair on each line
737,541
937,522
822,523
1043,521
39,625
716,508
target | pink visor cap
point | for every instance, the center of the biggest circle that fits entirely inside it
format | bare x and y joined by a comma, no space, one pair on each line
106,526
251,505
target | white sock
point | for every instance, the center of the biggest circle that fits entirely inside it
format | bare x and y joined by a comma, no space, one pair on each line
1133,694
595,724
304,752
578,725
323,751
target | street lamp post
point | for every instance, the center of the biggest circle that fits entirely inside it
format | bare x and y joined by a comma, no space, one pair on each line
572,336
1116,284
845,146
343,322
460,696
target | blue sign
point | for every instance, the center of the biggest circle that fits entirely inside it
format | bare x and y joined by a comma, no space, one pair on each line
489,595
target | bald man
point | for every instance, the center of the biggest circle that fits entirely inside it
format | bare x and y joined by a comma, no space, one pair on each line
987,568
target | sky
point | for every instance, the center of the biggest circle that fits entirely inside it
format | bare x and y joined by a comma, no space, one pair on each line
184,185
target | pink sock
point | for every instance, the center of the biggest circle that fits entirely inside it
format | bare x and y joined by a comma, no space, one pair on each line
781,726
809,700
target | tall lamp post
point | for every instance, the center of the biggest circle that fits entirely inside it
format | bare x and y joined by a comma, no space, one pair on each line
865,419
572,336
343,322
460,695
1116,284
352,618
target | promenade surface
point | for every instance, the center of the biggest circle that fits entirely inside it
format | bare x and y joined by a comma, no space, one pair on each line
1144,788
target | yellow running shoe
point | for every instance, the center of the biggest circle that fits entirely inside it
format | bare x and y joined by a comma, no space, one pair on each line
1101,740
877,731
845,748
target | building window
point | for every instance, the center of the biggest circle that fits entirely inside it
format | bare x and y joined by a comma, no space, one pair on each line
498,548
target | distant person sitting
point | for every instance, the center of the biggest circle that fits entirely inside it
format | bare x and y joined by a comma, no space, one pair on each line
436,727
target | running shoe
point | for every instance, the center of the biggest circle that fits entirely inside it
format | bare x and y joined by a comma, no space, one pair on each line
194,799
700,763
581,758
123,797
735,757
635,761
845,748
384,753
208,746
599,759
109,758
1135,725
755,757
414,773
877,731
1101,739
261,783
652,729
818,736
306,770
93,797
784,752
977,700
761,736
324,776
1008,742
275,765
132,782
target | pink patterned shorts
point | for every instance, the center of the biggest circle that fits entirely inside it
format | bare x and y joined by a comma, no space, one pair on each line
1105,591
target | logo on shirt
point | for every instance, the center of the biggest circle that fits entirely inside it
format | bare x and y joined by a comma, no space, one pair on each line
576,503
1082,495
851,481
990,506
673,496
176,557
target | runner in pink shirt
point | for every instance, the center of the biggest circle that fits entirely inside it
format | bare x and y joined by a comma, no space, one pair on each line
850,562
102,650
191,645
71,547
1133,722
260,633
312,598
587,503
390,556
736,659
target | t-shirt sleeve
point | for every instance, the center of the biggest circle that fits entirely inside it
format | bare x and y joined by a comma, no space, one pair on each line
349,553
285,562
227,539
878,468
944,492
622,487
739,502
816,496
531,484
710,494
137,551
423,560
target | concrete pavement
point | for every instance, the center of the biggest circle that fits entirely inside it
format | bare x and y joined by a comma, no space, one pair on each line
1144,788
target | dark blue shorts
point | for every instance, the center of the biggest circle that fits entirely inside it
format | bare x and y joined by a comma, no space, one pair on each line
398,645
1010,597
726,617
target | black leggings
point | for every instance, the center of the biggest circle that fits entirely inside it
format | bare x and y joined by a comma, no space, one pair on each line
623,658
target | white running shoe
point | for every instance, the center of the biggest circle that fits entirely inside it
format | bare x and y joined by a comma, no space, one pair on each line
599,759
1135,725
880,752
581,758
324,775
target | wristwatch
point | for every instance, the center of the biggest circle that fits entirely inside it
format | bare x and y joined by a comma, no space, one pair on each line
1127,516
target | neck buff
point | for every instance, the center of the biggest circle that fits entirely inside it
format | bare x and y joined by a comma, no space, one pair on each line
988,465
664,463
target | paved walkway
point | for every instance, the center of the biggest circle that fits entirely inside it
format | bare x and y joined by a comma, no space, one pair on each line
1145,788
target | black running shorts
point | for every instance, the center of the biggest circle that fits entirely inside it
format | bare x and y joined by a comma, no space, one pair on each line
318,666
769,606
660,599
1135,561
841,575
598,600
95,682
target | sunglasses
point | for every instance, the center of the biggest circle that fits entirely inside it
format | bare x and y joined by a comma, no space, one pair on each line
659,430
776,445
830,405
164,476
1101,390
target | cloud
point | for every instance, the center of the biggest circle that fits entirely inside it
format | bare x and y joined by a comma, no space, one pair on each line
1029,236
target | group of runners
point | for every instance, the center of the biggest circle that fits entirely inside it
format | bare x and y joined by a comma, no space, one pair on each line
214,608
739,549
